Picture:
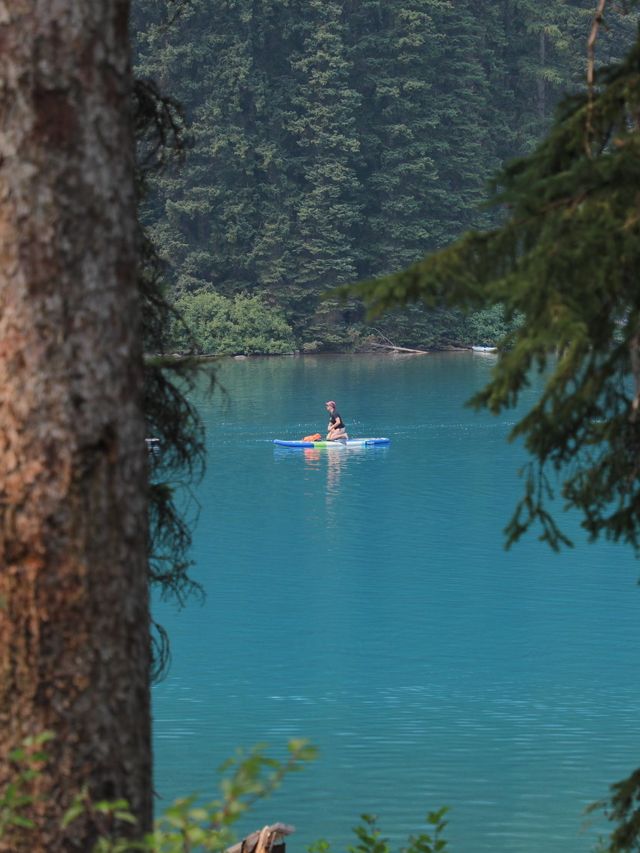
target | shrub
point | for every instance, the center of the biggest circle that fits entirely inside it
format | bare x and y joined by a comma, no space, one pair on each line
244,325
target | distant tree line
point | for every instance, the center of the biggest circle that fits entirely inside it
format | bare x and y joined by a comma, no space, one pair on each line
339,141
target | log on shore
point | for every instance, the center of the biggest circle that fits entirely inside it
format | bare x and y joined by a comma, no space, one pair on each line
393,348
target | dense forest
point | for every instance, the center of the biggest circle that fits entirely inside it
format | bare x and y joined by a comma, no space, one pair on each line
333,142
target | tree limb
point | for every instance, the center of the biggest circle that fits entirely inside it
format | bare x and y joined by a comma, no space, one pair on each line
591,60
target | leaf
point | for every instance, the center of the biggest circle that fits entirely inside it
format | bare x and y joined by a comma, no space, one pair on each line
72,813
125,816
199,814
18,820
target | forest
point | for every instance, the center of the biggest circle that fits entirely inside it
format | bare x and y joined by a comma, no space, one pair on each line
336,142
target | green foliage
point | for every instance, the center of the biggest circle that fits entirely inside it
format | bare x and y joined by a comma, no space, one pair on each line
323,145
108,816
440,328
432,841
16,798
623,808
253,776
332,143
217,325
370,839
188,824
489,326
417,328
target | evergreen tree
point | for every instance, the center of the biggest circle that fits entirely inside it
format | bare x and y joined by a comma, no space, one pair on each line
426,127
323,132
212,207
396,49
543,39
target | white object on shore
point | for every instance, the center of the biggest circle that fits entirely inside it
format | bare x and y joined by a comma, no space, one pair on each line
485,349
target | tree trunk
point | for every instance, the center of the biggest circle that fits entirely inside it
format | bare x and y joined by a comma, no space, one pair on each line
74,622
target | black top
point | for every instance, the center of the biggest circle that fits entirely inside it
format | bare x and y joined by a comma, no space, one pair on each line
336,420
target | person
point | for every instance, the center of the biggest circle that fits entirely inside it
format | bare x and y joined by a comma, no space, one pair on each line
337,431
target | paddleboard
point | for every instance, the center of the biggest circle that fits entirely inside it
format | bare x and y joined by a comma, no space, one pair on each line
350,442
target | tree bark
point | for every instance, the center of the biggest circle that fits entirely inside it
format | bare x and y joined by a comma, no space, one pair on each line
74,621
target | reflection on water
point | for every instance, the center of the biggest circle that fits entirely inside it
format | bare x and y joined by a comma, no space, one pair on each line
331,463
361,597
336,459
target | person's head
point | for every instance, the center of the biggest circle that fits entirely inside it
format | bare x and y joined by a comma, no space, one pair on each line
331,405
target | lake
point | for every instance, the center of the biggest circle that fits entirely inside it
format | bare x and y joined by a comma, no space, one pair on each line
362,598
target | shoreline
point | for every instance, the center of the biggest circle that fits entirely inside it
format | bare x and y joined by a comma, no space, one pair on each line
177,357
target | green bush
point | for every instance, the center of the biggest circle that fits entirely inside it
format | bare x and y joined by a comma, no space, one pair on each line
489,326
188,824
371,840
216,325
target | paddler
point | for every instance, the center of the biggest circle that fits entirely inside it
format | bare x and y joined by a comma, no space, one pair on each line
337,430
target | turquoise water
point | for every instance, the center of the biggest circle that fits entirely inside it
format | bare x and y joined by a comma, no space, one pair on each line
363,599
